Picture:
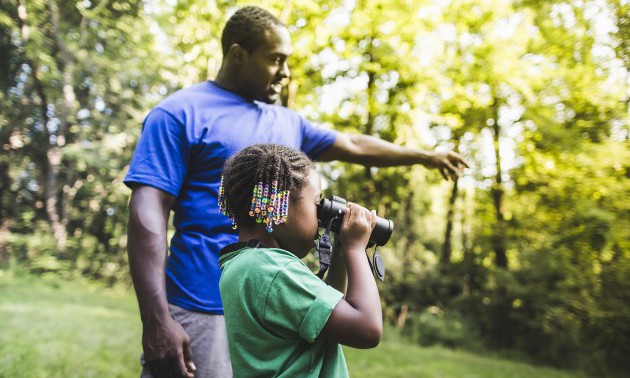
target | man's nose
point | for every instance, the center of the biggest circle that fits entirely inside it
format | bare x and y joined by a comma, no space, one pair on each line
284,71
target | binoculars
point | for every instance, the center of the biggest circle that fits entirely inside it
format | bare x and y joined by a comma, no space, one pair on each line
331,210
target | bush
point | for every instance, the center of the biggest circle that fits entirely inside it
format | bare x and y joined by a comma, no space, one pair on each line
37,251
435,326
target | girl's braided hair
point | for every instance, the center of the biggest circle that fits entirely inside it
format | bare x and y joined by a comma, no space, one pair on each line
266,164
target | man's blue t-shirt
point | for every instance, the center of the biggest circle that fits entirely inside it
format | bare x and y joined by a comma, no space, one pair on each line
185,141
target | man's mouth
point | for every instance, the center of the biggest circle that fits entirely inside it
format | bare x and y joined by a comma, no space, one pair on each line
276,88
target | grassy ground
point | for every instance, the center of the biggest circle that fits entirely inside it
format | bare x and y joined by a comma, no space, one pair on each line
51,328
400,360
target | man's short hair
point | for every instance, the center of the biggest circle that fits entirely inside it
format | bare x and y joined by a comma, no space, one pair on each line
246,27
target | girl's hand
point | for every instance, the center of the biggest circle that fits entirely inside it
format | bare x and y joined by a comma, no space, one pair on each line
357,320
356,226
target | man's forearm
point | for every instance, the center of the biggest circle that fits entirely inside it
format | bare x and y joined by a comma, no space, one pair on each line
147,259
147,250
371,151
375,152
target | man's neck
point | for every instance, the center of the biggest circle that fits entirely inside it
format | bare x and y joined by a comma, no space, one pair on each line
224,81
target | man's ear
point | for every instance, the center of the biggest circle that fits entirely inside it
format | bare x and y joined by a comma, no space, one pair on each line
238,54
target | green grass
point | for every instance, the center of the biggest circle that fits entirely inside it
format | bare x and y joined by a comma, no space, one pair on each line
52,328
397,360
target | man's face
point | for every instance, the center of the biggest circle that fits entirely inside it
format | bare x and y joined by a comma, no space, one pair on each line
265,70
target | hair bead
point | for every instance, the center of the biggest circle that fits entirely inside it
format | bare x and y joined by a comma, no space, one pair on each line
271,172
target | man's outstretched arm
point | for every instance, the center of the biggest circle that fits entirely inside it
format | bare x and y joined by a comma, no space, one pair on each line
372,151
166,345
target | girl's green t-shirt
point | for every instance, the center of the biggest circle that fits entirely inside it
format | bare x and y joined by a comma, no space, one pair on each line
275,309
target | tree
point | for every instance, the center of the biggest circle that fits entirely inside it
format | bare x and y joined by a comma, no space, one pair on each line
72,86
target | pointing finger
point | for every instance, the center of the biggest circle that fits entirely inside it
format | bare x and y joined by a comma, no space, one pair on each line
458,160
443,173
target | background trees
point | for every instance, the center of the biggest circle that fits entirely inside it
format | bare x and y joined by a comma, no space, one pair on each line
77,79
527,251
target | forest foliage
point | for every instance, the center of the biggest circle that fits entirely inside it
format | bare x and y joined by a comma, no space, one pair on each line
528,251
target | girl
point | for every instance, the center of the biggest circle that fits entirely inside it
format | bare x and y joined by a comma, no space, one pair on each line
282,320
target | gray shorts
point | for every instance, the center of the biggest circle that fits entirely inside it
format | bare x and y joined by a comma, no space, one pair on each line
208,341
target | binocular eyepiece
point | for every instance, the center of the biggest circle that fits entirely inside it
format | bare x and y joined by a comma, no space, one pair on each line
331,209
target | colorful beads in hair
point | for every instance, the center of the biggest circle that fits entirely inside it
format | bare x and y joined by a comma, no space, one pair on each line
268,207
223,205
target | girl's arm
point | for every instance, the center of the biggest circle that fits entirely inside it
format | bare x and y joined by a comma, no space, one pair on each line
337,276
357,320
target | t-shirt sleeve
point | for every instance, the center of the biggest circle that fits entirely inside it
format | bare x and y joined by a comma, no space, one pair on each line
299,302
161,156
315,140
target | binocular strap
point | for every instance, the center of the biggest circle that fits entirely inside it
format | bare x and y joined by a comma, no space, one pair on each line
325,250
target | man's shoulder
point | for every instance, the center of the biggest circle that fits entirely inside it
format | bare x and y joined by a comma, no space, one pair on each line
198,101
185,97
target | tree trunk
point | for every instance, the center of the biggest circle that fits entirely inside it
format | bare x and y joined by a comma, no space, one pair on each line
410,235
369,124
497,197
53,143
468,263
500,307
447,247
5,183
54,195
402,317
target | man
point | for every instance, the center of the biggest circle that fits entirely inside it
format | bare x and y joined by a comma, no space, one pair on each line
177,165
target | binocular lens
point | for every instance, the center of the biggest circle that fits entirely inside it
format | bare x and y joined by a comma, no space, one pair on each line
332,209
